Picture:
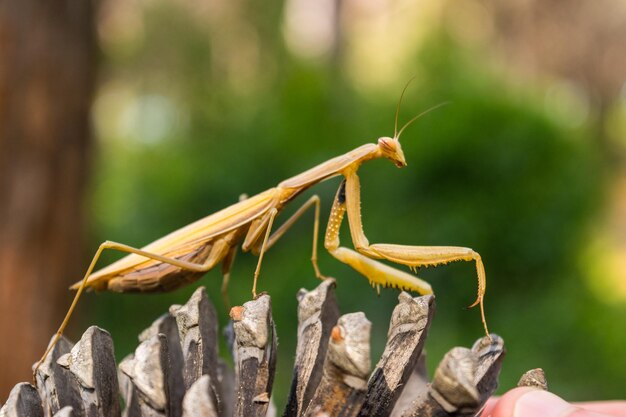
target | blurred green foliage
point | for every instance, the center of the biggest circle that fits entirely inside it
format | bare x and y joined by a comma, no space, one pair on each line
489,171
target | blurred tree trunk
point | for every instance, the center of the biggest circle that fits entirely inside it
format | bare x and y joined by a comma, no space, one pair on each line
47,66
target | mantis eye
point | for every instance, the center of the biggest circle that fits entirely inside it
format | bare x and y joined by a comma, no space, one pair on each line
388,145
391,149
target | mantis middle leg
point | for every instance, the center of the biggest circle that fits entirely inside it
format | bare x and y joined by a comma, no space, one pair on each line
259,247
313,201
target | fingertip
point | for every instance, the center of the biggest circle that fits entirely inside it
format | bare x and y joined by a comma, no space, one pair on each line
533,402
489,406
542,403
505,405
609,408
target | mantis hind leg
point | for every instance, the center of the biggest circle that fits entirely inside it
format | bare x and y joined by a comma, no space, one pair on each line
214,257
71,309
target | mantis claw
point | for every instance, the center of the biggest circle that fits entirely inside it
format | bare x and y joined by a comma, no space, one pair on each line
259,295
475,303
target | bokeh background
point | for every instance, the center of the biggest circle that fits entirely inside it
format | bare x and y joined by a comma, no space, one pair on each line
126,119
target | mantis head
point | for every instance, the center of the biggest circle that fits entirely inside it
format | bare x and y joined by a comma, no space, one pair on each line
390,148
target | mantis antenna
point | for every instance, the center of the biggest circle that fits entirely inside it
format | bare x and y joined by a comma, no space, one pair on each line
418,116
395,126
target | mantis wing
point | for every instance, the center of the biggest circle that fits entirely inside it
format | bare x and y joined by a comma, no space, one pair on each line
190,237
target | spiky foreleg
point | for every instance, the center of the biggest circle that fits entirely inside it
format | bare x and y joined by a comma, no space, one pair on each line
377,273
412,256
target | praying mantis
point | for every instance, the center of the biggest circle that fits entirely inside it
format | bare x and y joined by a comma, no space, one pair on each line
184,255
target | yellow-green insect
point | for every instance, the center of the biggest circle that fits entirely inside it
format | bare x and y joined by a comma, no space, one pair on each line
185,255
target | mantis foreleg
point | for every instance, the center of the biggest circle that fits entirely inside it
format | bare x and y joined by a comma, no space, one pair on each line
377,273
412,256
